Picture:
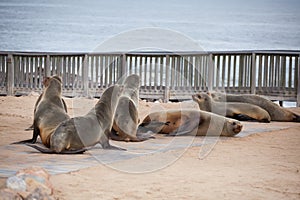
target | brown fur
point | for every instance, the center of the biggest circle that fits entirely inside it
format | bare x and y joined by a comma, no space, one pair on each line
75,134
50,111
240,111
190,122
45,83
276,112
126,117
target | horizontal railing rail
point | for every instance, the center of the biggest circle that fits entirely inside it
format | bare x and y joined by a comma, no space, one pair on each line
163,75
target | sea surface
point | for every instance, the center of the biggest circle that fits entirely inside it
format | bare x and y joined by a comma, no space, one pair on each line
76,25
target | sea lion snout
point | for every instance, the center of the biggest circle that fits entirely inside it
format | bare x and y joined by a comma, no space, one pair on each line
237,127
197,97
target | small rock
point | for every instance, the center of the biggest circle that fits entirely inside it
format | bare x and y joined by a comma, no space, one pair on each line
8,194
36,177
33,183
39,194
16,183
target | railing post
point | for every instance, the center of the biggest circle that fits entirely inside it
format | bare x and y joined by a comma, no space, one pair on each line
298,89
253,74
123,64
167,88
85,76
210,72
47,67
10,75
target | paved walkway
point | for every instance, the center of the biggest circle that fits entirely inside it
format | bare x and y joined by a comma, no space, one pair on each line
167,149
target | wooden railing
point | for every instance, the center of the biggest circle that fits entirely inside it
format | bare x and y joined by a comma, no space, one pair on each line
164,75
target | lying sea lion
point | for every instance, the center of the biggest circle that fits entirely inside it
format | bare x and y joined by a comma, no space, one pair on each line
50,111
45,83
126,117
75,134
236,110
276,112
190,122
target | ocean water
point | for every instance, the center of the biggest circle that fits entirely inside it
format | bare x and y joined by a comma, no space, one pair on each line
75,25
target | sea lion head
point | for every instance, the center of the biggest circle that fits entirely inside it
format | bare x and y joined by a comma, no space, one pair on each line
60,137
46,79
53,86
217,96
131,88
232,127
132,81
110,97
204,101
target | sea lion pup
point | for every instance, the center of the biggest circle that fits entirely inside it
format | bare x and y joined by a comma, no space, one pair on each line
190,122
45,83
276,112
75,134
236,110
49,112
126,117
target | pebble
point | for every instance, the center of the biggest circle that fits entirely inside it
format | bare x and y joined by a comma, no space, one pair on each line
16,183
30,183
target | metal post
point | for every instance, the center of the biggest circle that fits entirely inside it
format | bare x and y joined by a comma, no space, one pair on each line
10,75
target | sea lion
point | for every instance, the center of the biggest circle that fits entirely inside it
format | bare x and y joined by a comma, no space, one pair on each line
75,134
50,111
45,83
276,112
126,117
236,110
190,122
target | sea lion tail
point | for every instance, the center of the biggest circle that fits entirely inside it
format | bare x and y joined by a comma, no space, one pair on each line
49,151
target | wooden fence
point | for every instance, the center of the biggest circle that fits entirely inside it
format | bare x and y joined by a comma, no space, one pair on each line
164,75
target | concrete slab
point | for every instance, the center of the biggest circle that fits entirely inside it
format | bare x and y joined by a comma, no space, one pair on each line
165,149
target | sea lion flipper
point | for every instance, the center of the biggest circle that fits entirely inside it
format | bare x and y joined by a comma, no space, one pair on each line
106,145
29,141
64,105
153,126
49,151
178,133
145,136
24,142
111,147
296,118
242,117
43,150
29,128
186,128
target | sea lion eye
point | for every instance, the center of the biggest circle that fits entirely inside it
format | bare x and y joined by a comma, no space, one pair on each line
233,123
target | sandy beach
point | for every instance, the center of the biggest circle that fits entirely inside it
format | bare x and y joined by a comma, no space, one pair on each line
262,162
